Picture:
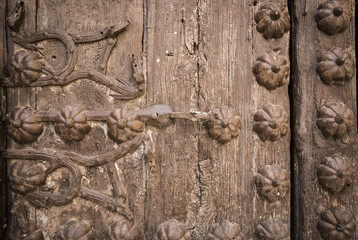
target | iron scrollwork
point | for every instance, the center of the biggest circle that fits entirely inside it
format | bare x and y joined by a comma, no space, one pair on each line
28,68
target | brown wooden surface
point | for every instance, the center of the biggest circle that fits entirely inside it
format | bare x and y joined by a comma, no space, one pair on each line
214,46
309,144
226,79
171,71
3,212
195,55
77,17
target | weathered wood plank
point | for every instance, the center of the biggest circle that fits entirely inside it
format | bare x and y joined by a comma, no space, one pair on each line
171,72
230,45
309,95
3,194
77,17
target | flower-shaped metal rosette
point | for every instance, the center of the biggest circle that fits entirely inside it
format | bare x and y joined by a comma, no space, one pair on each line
271,71
272,229
336,223
172,230
74,229
224,230
223,124
123,230
26,176
271,123
333,16
335,119
335,66
25,67
71,124
123,125
23,125
272,182
272,20
335,173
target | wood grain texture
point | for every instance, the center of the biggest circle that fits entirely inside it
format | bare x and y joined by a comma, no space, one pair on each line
309,93
171,70
77,17
230,45
3,194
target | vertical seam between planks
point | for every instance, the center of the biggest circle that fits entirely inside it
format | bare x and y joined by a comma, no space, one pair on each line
3,183
294,222
144,55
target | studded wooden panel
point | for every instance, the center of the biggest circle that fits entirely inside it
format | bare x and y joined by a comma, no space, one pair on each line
325,118
149,119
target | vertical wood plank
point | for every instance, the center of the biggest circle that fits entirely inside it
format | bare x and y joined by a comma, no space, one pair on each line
230,45
24,97
309,95
3,194
77,17
171,72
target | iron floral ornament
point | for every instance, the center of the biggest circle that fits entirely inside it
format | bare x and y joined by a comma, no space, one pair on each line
172,230
223,124
74,229
336,223
25,177
71,124
272,229
272,20
271,123
123,125
24,125
335,66
224,230
335,119
271,71
27,68
123,230
272,182
335,173
333,16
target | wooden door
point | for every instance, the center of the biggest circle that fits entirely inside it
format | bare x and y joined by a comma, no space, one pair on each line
171,119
